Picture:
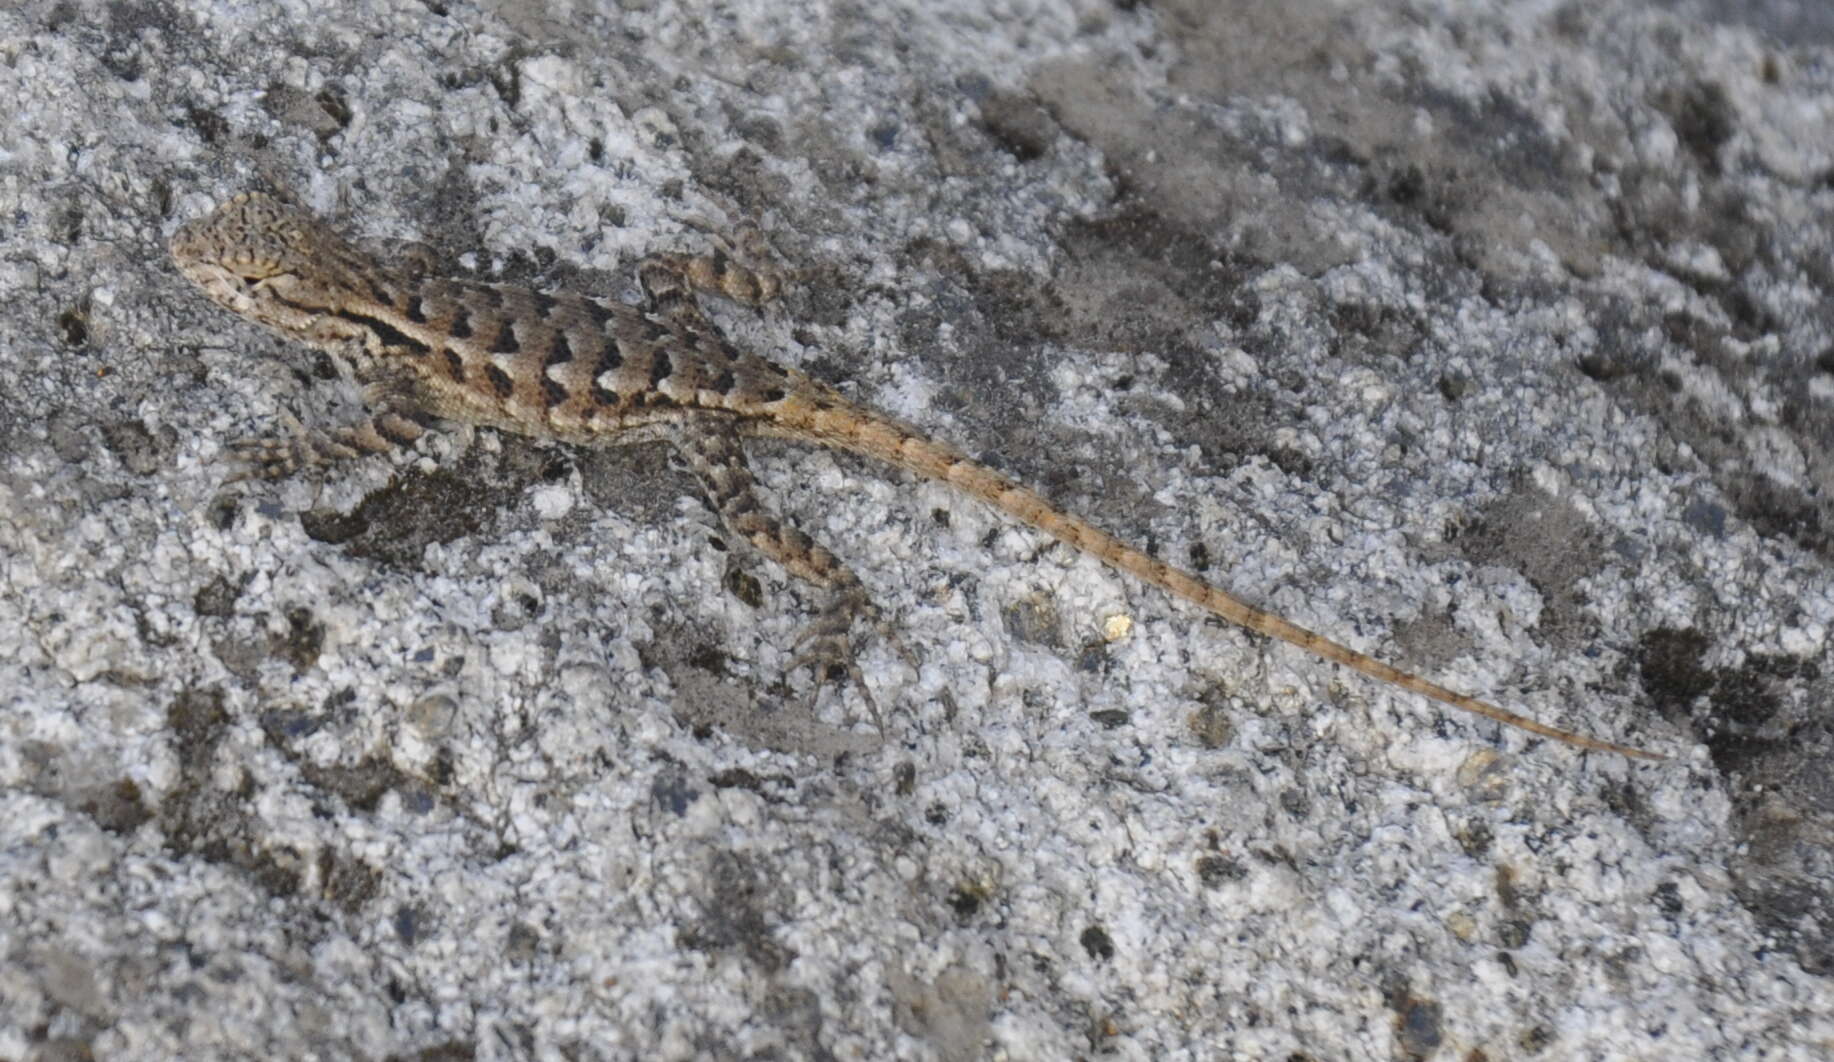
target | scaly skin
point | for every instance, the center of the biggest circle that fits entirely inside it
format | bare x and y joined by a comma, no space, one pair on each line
598,372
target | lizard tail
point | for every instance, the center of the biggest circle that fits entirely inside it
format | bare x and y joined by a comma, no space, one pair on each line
838,423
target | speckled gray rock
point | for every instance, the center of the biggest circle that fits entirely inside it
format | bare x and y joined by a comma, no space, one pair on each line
1493,338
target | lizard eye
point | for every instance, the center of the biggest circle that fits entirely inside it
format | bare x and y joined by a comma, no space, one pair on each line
251,268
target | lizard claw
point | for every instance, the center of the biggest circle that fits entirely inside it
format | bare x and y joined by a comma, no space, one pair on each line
271,457
261,459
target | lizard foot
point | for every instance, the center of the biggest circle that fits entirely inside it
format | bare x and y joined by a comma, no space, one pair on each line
827,645
280,456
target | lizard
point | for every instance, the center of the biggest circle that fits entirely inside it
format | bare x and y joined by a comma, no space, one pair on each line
596,372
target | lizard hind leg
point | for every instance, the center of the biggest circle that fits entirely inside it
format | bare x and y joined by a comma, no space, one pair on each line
714,453
745,274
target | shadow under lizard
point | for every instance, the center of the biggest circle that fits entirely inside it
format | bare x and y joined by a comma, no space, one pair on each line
599,372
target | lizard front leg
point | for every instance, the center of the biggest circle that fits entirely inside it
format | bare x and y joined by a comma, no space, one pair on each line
394,420
715,455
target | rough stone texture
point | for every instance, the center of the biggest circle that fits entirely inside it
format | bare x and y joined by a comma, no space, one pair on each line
1495,338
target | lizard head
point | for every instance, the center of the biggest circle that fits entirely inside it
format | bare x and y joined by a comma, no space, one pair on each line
251,237
264,258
